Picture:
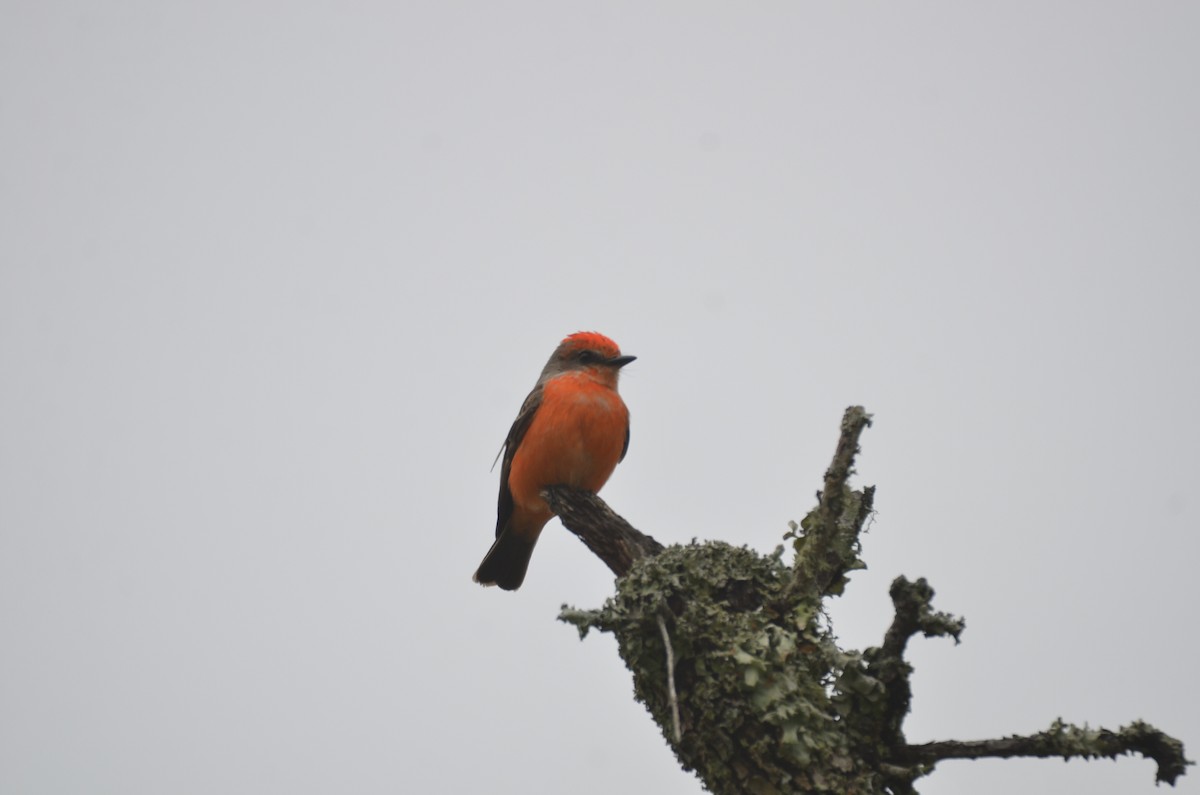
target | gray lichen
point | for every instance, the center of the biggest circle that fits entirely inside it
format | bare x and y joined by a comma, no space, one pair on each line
765,696
767,702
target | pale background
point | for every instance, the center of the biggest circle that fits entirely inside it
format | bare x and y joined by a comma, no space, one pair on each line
275,278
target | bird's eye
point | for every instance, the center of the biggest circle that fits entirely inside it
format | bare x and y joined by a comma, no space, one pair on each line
586,356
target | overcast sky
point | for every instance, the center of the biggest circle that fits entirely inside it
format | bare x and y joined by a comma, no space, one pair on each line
276,277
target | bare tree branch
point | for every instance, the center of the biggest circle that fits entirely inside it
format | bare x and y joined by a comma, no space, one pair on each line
610,537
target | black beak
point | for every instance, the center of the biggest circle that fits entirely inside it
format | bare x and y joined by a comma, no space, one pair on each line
620,361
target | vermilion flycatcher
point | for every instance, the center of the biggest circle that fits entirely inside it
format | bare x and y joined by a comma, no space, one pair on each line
572,430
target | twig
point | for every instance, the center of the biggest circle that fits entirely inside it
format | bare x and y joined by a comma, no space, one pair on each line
662,627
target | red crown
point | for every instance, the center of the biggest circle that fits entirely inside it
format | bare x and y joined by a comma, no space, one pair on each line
594,341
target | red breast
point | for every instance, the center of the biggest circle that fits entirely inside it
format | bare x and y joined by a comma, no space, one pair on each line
576,438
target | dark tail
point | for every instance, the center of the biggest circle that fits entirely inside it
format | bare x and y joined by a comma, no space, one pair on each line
506,562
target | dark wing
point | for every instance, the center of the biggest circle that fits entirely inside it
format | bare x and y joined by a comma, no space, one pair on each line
516,433
625,449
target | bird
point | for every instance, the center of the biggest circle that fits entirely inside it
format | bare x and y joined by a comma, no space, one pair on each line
572,429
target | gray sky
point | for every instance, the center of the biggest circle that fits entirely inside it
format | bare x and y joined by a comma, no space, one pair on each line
275,278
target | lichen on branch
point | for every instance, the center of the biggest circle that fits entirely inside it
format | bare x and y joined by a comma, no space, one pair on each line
827,540
733,654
